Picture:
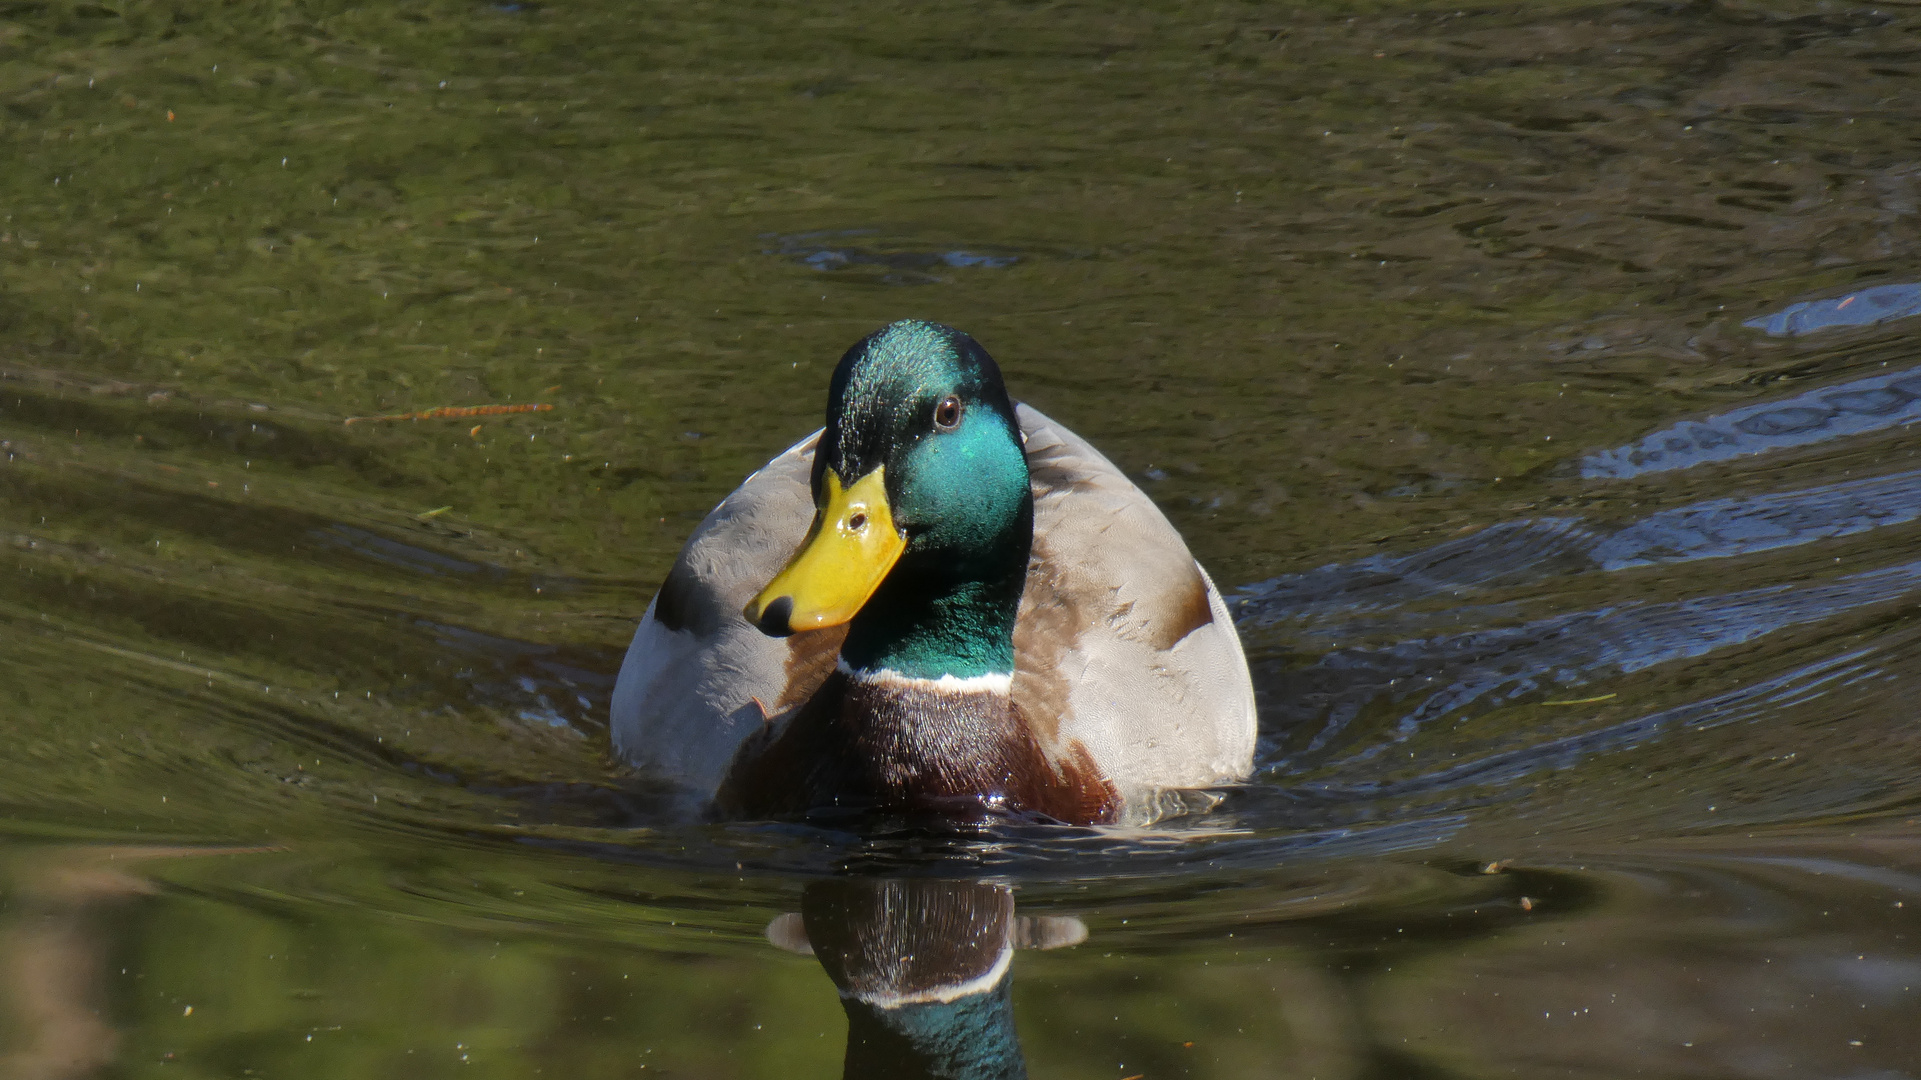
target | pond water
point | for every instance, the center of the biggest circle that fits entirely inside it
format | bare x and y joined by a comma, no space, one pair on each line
1537,381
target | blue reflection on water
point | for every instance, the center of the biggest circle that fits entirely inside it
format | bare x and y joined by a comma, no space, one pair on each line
1717,528
1850,408
1532,549
836,258
1445,659
1516,553
1864,308
1464,673
1409,648
829,251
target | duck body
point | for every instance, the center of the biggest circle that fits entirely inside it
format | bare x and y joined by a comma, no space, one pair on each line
989,618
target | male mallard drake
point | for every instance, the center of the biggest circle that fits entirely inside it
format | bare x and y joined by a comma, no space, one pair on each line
940,601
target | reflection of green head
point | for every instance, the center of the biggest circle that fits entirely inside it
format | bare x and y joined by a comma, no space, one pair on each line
926,404
969,1038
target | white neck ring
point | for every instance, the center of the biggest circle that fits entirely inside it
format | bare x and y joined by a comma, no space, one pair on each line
994,682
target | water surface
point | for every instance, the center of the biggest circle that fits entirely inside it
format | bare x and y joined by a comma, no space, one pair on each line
1536,380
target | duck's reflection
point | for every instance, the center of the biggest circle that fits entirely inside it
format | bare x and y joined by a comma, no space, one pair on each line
922,966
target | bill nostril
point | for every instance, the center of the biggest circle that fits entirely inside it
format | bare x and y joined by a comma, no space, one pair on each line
774,617
857,522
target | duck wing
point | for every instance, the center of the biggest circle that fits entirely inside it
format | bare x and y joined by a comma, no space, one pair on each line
698,677
1123,645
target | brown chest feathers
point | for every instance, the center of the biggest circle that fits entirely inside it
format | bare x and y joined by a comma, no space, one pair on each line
891,745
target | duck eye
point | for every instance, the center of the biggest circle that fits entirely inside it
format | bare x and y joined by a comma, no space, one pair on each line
947,414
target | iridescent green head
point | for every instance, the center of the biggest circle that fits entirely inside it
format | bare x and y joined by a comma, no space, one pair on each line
923,516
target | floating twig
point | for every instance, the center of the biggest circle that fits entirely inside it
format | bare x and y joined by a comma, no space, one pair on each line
1583,701
454,412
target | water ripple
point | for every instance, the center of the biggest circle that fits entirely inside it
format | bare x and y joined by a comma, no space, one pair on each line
1493,667
1531,550
899,264
1505,767
1717,528
1883,303
1850,408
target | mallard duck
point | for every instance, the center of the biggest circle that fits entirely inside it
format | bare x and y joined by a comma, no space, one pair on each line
940,602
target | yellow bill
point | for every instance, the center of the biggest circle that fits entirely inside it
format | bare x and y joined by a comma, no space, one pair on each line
847,553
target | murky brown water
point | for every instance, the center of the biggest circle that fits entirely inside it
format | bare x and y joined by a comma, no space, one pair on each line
1538,380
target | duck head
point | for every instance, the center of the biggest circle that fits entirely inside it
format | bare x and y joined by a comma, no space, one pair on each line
923,515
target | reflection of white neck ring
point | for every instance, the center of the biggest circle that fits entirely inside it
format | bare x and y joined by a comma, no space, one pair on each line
979,984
